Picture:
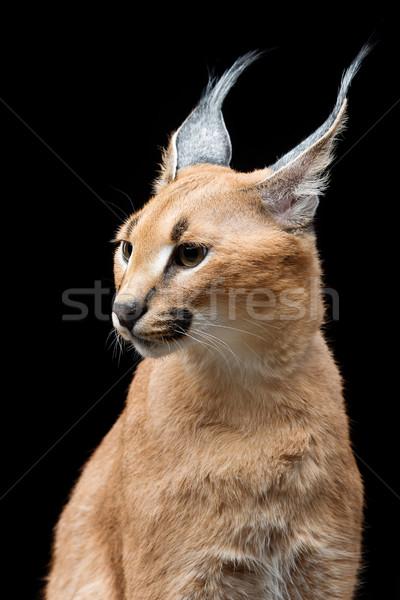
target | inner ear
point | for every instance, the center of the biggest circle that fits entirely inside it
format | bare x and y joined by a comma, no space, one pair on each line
293,211
300,176
291,192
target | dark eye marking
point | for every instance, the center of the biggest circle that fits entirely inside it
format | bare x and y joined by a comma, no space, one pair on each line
151,293
179,229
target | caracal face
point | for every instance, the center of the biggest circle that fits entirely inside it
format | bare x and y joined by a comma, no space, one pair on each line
205,263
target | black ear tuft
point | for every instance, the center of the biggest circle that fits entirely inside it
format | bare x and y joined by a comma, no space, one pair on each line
291,192
203,137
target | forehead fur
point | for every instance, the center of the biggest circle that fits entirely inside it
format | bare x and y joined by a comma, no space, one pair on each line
201,192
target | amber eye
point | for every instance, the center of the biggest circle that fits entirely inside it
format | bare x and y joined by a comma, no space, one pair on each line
190,256
126,250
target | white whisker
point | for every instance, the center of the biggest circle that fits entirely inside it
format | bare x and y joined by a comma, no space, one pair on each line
261,327
237,329
207,346
219,341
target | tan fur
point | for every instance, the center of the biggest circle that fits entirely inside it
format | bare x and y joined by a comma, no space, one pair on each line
229,474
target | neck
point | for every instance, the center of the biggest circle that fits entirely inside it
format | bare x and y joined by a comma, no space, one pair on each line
247,365
197,387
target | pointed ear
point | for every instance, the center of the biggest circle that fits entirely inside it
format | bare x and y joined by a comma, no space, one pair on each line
167,169
203,137
291,191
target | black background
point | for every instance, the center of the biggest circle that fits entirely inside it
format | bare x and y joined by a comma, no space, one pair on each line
86,102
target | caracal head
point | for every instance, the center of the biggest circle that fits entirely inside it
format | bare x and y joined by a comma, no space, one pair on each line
221,262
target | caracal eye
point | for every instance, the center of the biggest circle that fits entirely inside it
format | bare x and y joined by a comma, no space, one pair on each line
127,249
190,256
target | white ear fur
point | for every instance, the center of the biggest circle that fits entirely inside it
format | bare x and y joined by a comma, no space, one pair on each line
167,170
291,192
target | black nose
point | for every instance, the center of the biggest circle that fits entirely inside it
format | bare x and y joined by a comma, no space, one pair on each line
128,313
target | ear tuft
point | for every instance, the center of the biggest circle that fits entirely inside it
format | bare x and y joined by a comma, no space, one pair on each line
203,137
291,192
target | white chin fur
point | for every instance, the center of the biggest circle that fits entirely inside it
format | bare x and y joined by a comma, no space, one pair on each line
154,349
148,349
